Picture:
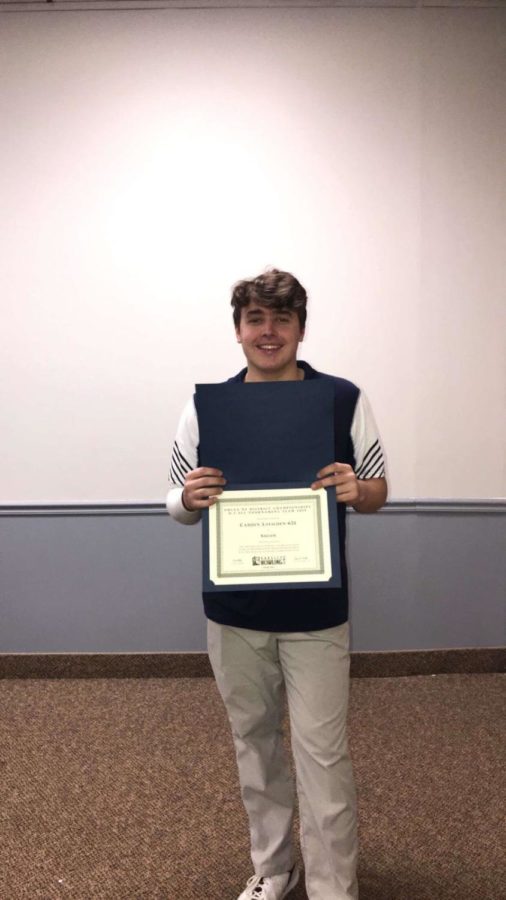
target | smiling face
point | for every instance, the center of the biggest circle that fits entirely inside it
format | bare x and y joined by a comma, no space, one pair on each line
269,339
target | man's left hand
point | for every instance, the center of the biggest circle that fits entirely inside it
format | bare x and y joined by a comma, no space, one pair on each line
343,477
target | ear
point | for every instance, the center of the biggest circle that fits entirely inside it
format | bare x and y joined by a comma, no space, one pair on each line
238,336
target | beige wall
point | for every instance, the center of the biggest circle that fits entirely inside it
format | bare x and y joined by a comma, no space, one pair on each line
148,160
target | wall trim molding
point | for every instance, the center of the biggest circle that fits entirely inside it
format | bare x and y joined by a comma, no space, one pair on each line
50,6
139,508
364,664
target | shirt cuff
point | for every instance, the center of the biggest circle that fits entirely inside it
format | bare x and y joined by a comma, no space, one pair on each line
179,512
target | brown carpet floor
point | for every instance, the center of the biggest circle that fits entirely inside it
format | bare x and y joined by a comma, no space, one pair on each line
126,789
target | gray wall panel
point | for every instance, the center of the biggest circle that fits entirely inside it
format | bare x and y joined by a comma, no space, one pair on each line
428,581
99,583
463,580
131,583
383,562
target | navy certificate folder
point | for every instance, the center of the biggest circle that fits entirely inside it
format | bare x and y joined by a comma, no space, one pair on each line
268,434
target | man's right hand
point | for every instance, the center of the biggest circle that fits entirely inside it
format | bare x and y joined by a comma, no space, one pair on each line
202,487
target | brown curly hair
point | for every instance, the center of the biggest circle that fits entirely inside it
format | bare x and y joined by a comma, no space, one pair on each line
274,289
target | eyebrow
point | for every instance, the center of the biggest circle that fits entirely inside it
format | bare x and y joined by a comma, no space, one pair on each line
260,310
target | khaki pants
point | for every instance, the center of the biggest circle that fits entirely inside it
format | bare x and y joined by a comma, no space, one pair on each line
251,668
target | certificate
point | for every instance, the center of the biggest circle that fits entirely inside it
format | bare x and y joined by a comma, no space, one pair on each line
274,536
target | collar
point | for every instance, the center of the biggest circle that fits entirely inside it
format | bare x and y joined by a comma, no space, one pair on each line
309,372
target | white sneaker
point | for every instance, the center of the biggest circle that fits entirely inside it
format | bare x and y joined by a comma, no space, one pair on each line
270,887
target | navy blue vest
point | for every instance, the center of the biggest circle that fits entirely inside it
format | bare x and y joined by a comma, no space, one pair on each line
305,609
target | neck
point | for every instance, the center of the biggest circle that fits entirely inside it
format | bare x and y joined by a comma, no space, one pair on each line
293,373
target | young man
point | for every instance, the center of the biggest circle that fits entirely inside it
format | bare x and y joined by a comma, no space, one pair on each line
262,643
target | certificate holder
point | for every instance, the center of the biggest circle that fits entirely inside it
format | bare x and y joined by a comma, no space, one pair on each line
268,530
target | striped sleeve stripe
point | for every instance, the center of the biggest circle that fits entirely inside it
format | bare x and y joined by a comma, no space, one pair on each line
375,472
185,465
371,463
176,475
372,466
373,450
179,467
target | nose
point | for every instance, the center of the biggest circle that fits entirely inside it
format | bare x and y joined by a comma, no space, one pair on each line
269,327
